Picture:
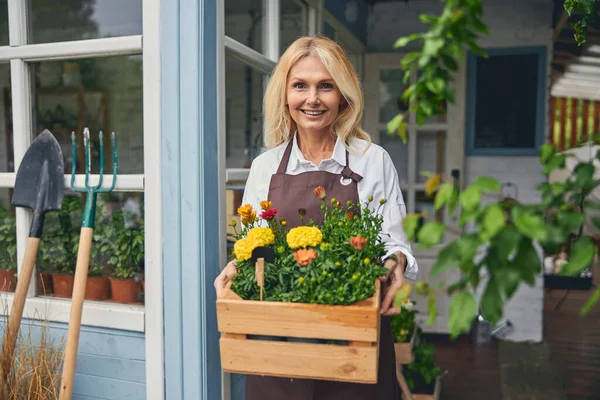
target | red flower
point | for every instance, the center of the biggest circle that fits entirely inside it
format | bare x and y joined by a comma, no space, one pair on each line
319,191
358,242
268,214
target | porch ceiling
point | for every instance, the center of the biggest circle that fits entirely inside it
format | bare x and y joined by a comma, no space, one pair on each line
575,69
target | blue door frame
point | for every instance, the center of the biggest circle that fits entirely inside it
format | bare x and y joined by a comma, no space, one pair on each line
189,163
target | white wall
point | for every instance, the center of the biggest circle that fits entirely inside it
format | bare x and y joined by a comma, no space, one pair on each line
512,23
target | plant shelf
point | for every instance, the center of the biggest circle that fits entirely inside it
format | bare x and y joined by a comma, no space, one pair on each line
356,325
404,350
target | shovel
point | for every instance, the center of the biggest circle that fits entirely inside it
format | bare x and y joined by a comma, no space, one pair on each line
38,186
83,254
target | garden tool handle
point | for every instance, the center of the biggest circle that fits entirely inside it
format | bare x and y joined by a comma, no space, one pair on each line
260,275
81,271
16,312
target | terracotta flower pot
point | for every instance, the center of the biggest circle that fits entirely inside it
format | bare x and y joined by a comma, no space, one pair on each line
97,288
44,283
124,290
8,281
63,285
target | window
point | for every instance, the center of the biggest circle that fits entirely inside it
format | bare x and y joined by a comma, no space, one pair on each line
506,100
85,70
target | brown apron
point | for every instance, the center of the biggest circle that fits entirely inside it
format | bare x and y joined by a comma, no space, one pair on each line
289,193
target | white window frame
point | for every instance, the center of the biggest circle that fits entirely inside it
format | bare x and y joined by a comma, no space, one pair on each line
20,55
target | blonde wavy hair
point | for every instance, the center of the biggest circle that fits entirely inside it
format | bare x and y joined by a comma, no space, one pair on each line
278,123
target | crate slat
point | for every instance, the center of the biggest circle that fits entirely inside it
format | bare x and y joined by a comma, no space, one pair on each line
357,322
404,351
300,360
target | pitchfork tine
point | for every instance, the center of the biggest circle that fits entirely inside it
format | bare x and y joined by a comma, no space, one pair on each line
88,160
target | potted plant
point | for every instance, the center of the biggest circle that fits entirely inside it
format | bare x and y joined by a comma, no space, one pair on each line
61,243
125,259
8,251
404,329
422,375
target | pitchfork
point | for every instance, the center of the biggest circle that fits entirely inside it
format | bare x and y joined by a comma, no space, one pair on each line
83,253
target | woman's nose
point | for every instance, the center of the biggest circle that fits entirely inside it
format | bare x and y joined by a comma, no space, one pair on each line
313,97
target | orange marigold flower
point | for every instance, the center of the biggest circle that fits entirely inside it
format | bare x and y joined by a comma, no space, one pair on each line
305,256
320,192
266,205
245,210
349,215
358,242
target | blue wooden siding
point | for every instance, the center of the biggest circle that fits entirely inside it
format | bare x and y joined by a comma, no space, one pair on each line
110,363
189,163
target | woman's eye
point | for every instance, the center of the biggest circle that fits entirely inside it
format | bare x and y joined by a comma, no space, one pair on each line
299,85
327,86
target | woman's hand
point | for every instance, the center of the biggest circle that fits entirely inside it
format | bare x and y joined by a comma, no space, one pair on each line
225,276
396,278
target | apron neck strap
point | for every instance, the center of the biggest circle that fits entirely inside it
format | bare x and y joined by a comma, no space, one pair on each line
286,158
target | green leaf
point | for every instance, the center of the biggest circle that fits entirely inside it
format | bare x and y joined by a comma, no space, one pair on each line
432,46
436,85
527,261
494,220
443,195
591,302
450,63
508,279
596,222
463,310
392,126
467,247
409,58
453,202
447,257
487,184
403,41
492,304
557,161
583,251
431,234
584,174
506,241
546,151
428,18
529,224
470,198
410,224
570,220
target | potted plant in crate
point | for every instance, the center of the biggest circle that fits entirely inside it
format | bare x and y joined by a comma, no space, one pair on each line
126,257
322,282
404,329
422,375
8,251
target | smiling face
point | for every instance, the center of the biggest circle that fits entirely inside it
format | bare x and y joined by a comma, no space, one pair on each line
312,96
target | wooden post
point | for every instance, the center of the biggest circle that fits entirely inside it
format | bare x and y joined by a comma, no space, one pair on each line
553,120
585,117
574,109
563,124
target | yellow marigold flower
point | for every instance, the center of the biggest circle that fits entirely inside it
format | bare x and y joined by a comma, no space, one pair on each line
266,205
243,249
261,236
304,236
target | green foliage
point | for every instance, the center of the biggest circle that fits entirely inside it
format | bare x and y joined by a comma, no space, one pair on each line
340,273
403,324
587,11
8,240
125,246
442,48
422,371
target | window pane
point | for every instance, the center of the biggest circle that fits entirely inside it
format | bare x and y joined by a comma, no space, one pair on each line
244,95
398,152
57,21
391,89
4,40
293,23
7,163
8,243
430,153
244,22
506,98
98,93
117,257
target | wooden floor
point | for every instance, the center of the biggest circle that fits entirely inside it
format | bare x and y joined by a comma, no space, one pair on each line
473,371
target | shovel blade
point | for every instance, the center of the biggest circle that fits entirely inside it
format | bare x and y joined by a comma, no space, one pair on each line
40,181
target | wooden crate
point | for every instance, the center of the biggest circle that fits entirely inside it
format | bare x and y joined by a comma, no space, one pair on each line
358,324
434,396
404,351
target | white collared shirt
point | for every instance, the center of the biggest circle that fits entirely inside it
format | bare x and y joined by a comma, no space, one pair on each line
380,180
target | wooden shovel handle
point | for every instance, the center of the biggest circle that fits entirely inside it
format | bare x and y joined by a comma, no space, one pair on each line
81,271
16,311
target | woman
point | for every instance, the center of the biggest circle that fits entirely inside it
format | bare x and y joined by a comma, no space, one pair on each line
313,108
